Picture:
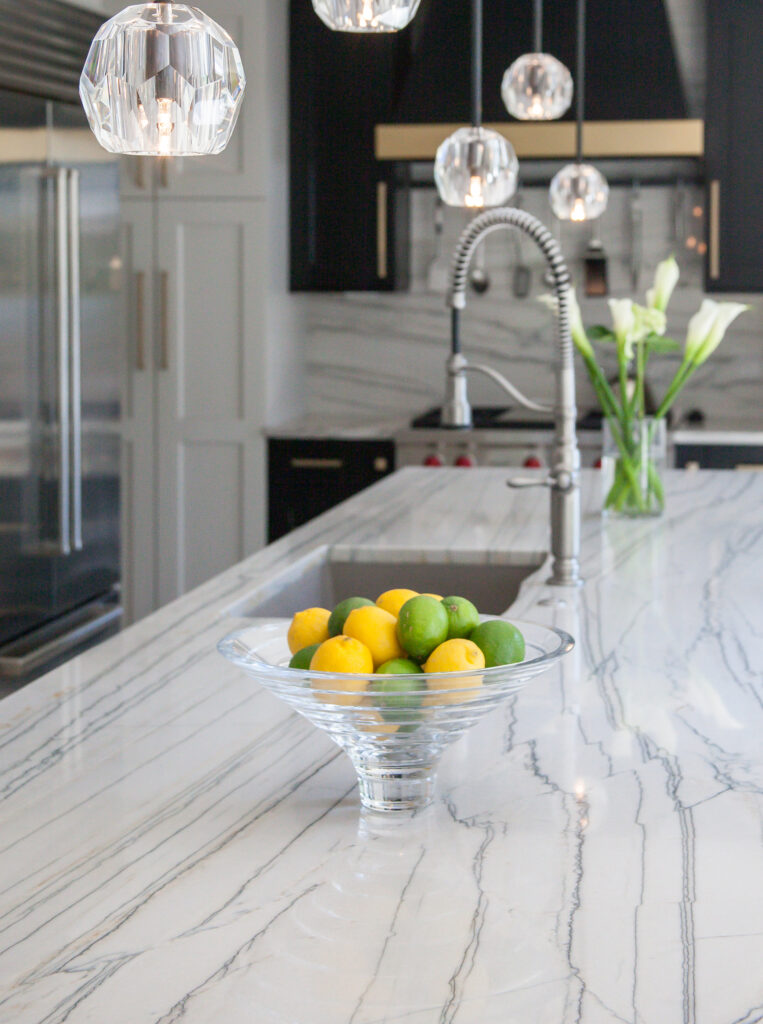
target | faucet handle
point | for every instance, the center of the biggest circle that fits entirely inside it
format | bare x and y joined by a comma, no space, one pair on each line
530,481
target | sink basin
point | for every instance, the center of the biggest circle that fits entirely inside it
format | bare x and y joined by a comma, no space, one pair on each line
328,575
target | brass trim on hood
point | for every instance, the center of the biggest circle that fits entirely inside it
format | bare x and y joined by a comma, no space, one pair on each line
554,140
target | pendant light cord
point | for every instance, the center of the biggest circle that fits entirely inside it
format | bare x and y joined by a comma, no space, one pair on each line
476,62
580,82
538,27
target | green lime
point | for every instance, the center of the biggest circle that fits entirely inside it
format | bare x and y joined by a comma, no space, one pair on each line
303,658
402,695
422,625
339,615
499,641
397,666
462,617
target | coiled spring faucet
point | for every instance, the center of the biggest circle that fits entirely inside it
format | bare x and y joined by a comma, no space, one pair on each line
562,479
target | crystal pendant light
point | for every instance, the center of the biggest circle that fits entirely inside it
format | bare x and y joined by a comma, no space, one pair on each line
475,166
579,191
365,15
537,86
162,79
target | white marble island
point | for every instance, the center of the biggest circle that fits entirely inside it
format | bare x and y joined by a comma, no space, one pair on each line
178,846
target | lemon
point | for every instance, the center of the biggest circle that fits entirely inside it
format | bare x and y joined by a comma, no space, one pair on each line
421,626
456,655
377,630
342,610
372,722
463,617
393,600
310,626
500,642
346,655
437,597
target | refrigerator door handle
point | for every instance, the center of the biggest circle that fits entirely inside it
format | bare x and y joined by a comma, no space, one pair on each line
62,346
75,361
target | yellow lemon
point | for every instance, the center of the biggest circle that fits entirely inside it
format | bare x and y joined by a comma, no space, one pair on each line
377,630
346,655
372,722
393,600
454,656
308,627
437,597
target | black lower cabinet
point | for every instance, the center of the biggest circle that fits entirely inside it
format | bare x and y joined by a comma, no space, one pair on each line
718,456
307,477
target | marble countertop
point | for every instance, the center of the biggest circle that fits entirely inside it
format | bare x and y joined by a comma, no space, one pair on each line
177,846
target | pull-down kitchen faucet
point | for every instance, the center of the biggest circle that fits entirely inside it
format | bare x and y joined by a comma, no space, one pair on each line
563,477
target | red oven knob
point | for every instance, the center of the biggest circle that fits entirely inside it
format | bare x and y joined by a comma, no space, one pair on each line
464,460
433,460
532,462
597,464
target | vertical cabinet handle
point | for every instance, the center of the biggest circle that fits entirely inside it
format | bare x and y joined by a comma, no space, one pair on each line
164,290
75,360
140,330
714,224
62,354
381,229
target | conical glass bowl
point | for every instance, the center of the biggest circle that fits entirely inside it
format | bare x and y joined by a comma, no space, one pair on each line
394,741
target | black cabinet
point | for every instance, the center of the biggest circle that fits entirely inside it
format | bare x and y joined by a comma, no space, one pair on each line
717,456
307,477
734,146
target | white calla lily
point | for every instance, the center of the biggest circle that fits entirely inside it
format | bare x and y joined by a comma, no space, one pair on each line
707,328
647,321
665,279
623,322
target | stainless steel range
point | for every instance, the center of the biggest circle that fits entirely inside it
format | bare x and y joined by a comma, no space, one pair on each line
500,436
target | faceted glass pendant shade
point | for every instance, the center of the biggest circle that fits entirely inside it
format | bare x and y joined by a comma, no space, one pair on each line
537,87
475,167
578,192
162,79
365,15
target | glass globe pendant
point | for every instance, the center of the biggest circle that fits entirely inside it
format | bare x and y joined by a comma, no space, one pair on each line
537,87
162,79
579,191
365,15
476,166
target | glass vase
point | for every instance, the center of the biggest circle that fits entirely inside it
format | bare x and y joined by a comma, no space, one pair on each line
633,461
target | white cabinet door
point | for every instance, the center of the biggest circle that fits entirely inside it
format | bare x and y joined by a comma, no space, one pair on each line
210,357
240,169
139,548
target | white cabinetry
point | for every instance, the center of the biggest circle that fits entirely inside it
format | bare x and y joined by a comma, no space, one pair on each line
201,245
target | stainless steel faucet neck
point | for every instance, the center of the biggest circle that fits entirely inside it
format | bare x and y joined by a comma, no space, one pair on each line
565,469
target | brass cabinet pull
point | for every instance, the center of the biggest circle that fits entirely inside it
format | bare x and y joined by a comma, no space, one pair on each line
381,229
714,248
315,463
164,326
140,332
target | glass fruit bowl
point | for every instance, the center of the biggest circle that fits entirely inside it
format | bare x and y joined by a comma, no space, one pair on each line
394,739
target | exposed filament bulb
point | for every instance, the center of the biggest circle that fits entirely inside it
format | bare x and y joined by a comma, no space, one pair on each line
367,17
474,197
164,124
578,212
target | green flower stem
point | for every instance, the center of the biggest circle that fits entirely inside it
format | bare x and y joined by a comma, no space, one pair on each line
684,371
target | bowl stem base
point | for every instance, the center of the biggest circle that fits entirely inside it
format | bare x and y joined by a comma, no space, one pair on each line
395,788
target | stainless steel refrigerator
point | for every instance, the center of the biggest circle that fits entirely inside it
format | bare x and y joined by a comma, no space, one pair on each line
61,320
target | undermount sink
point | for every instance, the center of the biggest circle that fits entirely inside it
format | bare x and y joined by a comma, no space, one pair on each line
327,576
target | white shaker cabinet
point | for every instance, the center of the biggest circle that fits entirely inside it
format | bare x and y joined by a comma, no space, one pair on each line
194,456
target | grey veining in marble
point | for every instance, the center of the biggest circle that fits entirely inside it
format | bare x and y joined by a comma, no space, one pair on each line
176,846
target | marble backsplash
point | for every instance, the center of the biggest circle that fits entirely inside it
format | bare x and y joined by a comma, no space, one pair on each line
384,354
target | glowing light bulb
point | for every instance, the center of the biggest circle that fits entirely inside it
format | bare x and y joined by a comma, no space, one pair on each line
577,213
366,17
474,197
164,124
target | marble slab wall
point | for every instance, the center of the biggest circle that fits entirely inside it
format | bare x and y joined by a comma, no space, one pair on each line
385,353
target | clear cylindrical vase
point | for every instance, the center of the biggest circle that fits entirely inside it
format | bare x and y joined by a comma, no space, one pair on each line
634,457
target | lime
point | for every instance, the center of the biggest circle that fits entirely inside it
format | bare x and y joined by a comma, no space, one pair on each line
462,617
500,642
421,626
397,666
302,658
339,615
402,695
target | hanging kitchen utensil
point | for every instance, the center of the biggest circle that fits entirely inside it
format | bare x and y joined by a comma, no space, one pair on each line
637,235
595,267
437,271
